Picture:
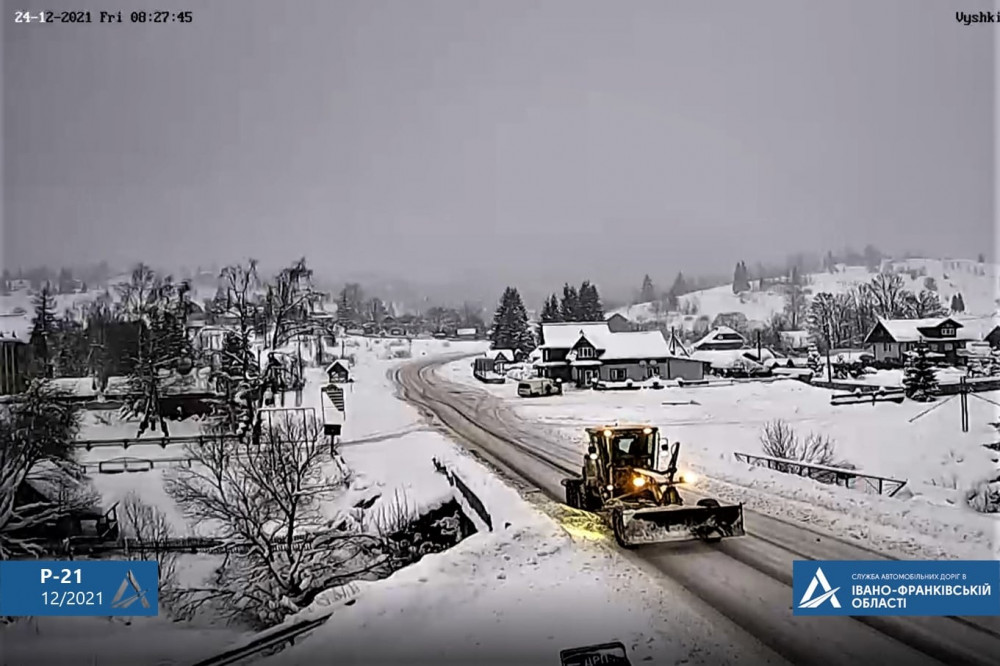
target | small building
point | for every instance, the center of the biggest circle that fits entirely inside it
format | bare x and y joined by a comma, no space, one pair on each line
467,334
720,338
795,341
502,358
892,339
618,323
14,359
338,372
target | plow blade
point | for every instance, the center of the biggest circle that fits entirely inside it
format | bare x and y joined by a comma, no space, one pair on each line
666,524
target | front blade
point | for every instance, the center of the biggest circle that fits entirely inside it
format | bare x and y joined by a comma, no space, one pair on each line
666,524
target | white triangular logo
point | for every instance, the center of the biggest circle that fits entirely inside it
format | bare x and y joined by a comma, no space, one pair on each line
819,580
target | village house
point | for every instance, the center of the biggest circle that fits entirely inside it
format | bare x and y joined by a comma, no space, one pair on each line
618,323
720,338
582,352
891,339
795,341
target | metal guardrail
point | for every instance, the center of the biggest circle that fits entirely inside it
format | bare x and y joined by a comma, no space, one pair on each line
280,637
455,481
840,476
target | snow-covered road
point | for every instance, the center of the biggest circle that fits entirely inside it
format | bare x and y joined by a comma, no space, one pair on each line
746,580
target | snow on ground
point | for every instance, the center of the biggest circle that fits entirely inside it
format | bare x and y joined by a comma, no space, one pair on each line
938,461
951,277
503,592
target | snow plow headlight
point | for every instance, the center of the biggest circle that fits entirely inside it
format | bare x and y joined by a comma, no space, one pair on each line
638,481
687,477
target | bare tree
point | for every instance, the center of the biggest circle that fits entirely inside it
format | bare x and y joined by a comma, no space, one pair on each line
888,295
147,533
35,446
265,502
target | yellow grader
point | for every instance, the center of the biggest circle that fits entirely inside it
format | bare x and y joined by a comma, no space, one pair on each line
619,480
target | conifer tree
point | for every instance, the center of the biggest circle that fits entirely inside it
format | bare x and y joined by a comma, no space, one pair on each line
589,303
43,331
510,324
919,380
569,307
549,314
648,292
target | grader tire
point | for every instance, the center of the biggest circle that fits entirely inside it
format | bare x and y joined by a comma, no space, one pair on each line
618,527
710,503
574,495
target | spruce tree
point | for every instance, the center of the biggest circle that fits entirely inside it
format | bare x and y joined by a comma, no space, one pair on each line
590,308
43,332
550,313
648,292
569,307
680,286
510,324
919,380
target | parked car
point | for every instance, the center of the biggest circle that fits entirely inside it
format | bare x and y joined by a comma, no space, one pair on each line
537,386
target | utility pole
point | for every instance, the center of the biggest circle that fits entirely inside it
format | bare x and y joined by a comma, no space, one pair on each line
759,358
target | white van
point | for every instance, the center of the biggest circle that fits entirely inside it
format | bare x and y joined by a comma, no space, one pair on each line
537,386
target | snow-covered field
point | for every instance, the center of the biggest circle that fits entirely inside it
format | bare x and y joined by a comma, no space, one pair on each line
952,277
928,518
502,592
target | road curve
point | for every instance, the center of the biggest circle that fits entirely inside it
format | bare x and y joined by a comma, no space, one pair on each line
746,580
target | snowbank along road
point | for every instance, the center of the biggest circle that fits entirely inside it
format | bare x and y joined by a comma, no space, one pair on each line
747,581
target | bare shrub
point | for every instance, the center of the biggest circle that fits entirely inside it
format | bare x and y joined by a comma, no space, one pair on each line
267,502
148,533
779,440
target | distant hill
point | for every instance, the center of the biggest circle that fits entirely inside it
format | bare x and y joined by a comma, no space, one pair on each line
975,281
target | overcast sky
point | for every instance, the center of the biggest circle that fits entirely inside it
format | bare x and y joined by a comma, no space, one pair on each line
546,138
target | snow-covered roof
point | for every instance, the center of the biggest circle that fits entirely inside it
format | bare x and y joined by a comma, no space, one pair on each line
719,334
336,364
626,345
564,335
505,354
908,330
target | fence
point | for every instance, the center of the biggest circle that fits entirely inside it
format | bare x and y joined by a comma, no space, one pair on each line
839,476
470,497
271,639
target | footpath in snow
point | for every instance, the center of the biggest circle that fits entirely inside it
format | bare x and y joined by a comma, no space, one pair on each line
929,518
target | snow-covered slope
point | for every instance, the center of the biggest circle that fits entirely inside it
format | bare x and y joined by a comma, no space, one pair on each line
976,282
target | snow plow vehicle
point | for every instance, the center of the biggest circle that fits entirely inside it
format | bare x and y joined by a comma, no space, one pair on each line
620,481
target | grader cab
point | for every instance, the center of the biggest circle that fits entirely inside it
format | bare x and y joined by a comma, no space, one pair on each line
631,477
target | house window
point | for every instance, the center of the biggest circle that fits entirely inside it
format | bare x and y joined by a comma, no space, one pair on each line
617,374
947,332
652,371
885,346
584,353
948,346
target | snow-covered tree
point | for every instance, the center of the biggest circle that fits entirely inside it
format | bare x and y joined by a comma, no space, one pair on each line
510,324
269,499
919,378
741,278
350,303
589,303
795,299
43,332
569,306
924,305
550,313
38,430
957,303
680,286
647,292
